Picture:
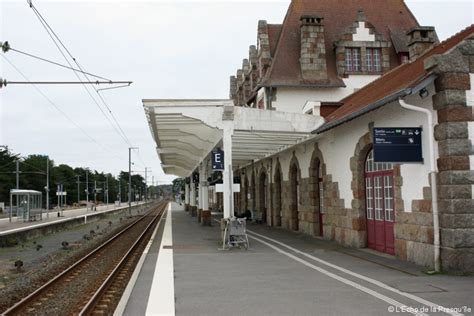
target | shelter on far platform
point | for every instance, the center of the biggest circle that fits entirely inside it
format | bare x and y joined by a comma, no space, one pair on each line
26,204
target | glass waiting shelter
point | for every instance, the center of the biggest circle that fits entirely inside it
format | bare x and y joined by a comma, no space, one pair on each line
26,205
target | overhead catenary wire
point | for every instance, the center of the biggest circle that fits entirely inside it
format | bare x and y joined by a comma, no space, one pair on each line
59,109
53,62
54,37
102,98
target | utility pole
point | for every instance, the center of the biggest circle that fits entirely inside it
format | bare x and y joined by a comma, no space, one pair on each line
120,190
107,186
130,179
153,185
17,185
47,187
18,174
95,194
58,193
78,189
87,189
146,191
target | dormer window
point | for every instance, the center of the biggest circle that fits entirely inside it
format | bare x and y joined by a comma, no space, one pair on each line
373,59
353,59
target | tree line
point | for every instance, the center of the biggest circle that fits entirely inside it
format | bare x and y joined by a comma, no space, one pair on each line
32,176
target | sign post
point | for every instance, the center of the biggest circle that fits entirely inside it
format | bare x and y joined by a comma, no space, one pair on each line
402,145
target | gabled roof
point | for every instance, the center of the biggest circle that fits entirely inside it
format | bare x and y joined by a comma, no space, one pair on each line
274,31
391,85
338,15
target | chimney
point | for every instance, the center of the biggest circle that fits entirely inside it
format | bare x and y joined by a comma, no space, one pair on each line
420,39
253,57
233,89
313,48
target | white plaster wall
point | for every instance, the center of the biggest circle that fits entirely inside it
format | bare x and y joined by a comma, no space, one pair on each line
338,146
362,34
292,99
355,82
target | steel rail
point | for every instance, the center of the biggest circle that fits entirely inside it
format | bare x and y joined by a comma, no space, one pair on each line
89,307
23,302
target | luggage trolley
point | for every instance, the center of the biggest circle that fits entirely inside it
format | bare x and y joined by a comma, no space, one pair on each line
235,234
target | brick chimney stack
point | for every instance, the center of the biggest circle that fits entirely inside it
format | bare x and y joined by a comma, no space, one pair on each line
420,39
313,48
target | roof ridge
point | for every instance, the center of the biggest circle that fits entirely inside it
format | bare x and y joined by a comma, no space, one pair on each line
284,25
411,13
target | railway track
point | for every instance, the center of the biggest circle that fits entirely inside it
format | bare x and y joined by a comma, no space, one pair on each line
94,284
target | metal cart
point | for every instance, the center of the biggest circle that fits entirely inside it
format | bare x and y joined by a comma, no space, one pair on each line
235,233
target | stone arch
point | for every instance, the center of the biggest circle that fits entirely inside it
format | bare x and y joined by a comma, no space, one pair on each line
278,179
316,173
244,188
294,176
357,214
262,194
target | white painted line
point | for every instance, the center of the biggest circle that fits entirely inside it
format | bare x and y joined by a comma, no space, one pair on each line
120,309
359,276
362,288
161,298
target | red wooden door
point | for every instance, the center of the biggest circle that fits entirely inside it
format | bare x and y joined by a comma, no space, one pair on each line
379,206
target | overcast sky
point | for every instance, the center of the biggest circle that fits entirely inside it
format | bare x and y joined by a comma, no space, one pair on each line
169,49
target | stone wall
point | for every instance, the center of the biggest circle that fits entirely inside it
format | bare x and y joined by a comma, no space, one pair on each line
414,231
456,177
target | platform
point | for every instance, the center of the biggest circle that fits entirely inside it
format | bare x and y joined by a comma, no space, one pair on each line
283,273
16,225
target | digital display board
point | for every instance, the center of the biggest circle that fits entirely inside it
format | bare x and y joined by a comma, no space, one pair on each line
398,144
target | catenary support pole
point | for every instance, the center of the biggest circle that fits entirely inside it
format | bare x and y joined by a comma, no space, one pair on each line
120,190
47,187
87,189
17,182
107,188
433,173
78,189
95,194
146,190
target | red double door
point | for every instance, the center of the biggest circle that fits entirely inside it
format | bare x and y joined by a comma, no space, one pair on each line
380,211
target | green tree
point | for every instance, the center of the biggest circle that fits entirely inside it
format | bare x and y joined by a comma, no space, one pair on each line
7,175
178,187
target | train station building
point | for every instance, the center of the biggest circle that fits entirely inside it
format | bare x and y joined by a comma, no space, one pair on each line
297,133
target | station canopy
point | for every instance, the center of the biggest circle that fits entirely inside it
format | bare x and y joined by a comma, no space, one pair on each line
186,131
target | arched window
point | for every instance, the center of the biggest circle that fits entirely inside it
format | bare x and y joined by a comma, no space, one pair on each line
379,205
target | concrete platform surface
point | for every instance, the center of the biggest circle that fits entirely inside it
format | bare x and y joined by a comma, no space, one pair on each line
16,225
283,273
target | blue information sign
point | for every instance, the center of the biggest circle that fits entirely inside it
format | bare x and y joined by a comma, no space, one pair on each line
217,160
397,144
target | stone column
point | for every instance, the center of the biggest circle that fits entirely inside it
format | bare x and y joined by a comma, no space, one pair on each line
206,213
456,155
199,198
193,199
186,197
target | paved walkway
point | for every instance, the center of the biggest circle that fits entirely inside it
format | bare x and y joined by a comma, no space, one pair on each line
18,225
283,273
